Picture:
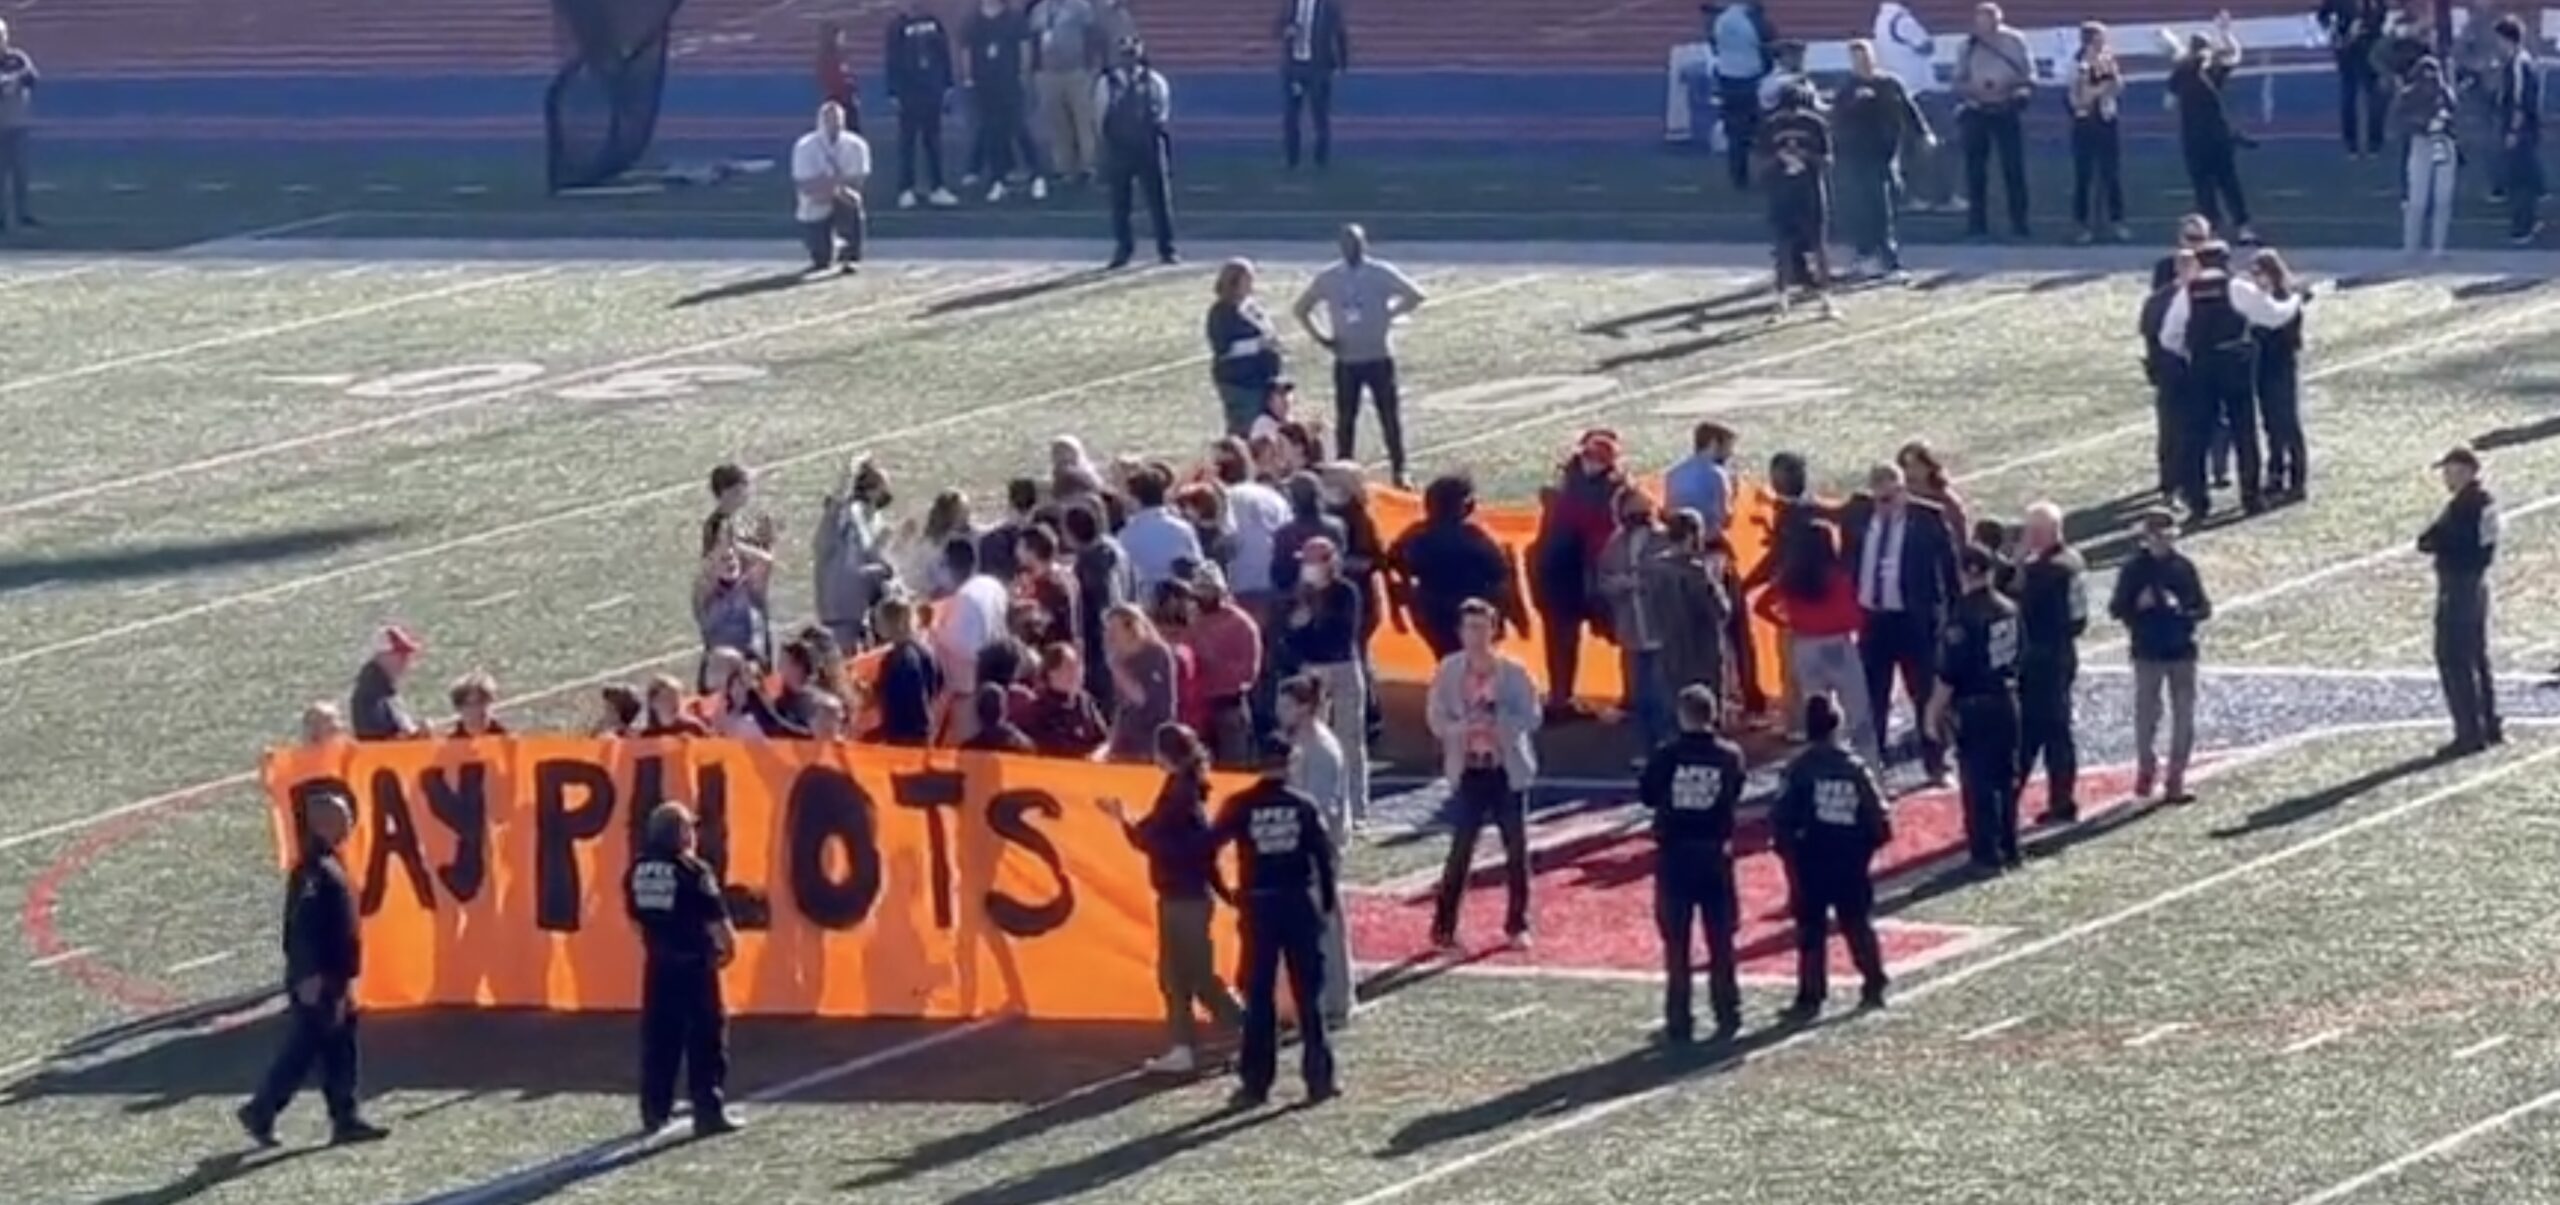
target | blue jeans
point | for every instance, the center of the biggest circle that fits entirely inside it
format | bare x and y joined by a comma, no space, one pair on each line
1650,697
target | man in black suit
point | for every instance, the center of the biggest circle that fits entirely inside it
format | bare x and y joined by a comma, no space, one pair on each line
1904,555
1315,46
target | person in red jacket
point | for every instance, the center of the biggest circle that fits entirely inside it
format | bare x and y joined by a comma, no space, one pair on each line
1576,518
1813,599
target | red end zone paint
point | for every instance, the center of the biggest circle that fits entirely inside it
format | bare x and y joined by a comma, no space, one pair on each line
1591,899
36,915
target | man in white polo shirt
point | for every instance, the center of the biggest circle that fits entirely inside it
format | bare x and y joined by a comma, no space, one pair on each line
828,167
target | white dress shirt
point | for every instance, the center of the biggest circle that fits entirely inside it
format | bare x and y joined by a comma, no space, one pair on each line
1880,560
2252,302
970,620
846,161
1302,38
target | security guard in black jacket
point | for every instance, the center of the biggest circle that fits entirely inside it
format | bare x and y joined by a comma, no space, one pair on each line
323,953
1829,822
2052,592
1691,784
2167,373
1976,704
1287,900
2464,543
1137,148
2209,321
684,926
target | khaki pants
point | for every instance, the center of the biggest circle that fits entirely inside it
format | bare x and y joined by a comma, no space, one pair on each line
1187,970
2150,680
1070,125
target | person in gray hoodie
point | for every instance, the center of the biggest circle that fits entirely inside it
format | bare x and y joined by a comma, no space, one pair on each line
1484,708
1684,592
851,563
1618,579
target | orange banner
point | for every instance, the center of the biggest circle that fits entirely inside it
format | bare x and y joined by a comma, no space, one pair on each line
866,881
1400,653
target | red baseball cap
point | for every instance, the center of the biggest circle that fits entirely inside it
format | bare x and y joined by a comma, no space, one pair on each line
396,639
1600,444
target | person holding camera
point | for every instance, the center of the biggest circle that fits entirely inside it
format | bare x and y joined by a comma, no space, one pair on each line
828,167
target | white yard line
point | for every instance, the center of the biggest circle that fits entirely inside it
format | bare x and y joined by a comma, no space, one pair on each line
58,958
295,443
1593,1114
2156,1034
491,600
237,242
1995,1029
198,964
2441,1146
835,453
255,333
1515,1014
2314,1042
33,279
604,604
2481,1047
2458,331
620,1149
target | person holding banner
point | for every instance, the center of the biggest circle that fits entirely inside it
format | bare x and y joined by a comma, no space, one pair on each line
323,954
684,927
1182,867
1484,708
1289,897
374,709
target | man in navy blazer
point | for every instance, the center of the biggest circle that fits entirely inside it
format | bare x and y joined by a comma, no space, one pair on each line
1904,555
1315,46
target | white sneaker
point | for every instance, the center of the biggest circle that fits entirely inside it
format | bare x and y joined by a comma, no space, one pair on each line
995,193
1039,189
942,198
906,200
1177,1061
1830,312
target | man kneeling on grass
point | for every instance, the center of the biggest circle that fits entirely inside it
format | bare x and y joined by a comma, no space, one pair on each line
829,166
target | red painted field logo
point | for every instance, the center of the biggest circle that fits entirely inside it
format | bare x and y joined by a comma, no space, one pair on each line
1592,899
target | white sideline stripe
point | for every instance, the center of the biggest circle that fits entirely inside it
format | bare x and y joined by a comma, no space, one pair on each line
491,535
1514,1014
1604,1110
1995,1029
2484,1046
2460,330
2450,1142
256,333
41,278
469,400
628,1145
198,964
2314,1042
58,958
222,242
2330,673
2154,1034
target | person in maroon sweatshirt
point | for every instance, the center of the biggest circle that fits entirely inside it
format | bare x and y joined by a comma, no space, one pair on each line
1061,717
1182,865
1576,518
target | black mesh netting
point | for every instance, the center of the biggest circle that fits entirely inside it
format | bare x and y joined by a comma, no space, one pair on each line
602,108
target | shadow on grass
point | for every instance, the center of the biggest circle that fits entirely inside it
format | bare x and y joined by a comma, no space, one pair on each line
179,559
1116,1163
753,286
211,1173
984,298
2303,807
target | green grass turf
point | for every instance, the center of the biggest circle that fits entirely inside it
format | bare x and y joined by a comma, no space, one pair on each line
163,626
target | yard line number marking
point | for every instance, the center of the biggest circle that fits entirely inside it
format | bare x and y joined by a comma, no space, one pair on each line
653,384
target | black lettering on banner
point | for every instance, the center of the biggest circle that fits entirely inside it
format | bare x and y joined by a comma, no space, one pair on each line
460,801
934,792
557,828
748,906
308,790
394,834
1009,814
827,806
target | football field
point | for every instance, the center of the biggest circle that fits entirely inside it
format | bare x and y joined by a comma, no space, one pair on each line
2325,981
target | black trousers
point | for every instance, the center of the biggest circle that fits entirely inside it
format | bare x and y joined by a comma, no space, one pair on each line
919,137
1277,926
1377,378
2280,408
682,1021
837,237
1149,170
1308,88
1824,882
315,1035
1561,617
1738,105
1987,774
13,178
2360,88
1899,641
2522,175
1693,886
1480,796
2224,384
2213,170
997,114
2462,657
1987,132
2045,728
2097,172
